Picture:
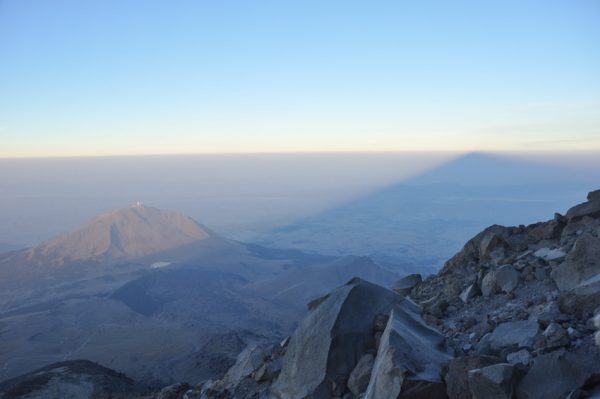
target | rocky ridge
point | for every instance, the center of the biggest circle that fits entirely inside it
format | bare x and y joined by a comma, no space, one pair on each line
512,315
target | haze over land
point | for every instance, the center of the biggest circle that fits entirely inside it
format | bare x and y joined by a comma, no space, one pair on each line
290,200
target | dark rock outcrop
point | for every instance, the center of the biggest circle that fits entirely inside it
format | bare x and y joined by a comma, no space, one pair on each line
332,339
71,379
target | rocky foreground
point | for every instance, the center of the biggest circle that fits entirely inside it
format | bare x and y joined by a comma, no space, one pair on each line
510,316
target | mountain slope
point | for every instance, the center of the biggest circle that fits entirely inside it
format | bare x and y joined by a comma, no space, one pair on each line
123,234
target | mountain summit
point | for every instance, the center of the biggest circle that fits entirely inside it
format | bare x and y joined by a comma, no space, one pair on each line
122,234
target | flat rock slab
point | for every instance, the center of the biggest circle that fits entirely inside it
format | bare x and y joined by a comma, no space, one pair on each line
409,360
520,334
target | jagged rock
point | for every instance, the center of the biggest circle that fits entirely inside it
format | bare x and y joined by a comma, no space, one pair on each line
469,293
174,391
581,264
556,336
268,371
504,279
548,313
554,375
594,195
550,254
409,360
507,278
380,322
522,357
456,374
590,208
583,299
550,230
489,243
360,376
330,341
407,283
493,382
247,361
520,334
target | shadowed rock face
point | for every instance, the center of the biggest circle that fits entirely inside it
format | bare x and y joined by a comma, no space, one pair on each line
332,339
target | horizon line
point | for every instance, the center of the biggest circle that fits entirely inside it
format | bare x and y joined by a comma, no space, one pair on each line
309,152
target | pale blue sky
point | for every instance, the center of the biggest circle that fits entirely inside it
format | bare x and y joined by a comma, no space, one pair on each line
142,77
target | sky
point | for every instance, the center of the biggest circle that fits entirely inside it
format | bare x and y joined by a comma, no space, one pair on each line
117,77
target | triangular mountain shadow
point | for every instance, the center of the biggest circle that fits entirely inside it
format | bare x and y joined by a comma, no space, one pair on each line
420,222
495,169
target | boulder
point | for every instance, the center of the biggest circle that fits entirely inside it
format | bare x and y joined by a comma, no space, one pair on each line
583,299
493,382
456,374
522,357
489,243
594,195
555,254
330,341
250,359
360,376
555,336
519,334
507,278
554,375
504,279
409,360
550,230
407,283
590,208
581,264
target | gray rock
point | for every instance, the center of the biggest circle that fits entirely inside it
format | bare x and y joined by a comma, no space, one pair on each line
590,208
469,293
550,230
522,357
507,278
548,254
540,273
330,341
583,299
556,336
488,243
174,391
493,382
456,374
488,284
407,283
520,334
409,360
247,361
504,279
594,195
554,375
360,376
581,264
